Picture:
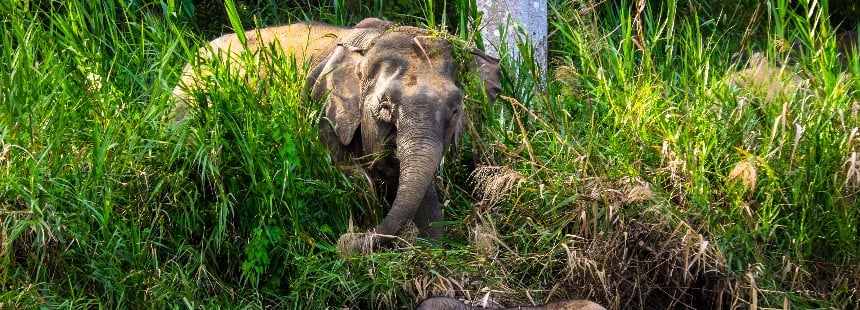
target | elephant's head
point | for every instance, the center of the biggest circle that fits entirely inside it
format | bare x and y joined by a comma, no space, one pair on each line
399,92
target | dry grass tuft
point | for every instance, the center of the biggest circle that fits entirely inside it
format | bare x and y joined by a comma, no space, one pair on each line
746,173
765,80
627,190
674,168
852,171
344,243
637,190
483,238
431,277
569,77
492,183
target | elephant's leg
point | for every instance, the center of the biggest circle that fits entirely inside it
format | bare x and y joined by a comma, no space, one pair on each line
429,213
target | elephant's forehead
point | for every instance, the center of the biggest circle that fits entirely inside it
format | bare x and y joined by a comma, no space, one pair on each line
409,45
411,57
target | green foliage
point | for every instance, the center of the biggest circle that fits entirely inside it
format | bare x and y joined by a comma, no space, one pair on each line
637,170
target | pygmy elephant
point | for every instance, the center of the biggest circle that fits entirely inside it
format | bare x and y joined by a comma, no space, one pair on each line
392,105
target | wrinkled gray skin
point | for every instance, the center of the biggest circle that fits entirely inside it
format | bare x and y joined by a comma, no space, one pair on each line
392,107
447,303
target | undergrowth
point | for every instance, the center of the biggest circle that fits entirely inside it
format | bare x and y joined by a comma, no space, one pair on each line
670,157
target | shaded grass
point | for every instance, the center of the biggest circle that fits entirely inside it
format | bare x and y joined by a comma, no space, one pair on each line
619,170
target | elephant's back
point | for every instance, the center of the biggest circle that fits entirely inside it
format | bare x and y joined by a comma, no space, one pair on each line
301,40
305,40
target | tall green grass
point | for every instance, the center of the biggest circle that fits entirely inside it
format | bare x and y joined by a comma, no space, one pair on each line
618,176
664,89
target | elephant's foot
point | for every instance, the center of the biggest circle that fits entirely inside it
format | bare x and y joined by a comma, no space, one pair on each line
361,243
368,242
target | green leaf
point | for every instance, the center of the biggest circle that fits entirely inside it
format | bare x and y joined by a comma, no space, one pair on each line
236,22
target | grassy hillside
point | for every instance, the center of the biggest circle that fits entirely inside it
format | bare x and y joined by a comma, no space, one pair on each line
649,168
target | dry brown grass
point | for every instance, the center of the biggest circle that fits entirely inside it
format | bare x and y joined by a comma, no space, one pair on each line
746,173
852,171
659,260
661,263
492,183
766,80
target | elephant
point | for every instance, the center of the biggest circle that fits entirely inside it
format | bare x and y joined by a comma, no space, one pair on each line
392,105
447,303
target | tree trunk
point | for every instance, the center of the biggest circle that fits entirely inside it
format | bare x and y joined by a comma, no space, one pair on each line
500,16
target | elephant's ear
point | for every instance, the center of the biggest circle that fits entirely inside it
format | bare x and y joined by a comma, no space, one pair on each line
490,72
339,84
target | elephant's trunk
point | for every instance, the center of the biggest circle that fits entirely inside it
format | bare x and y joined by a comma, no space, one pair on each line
419,149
